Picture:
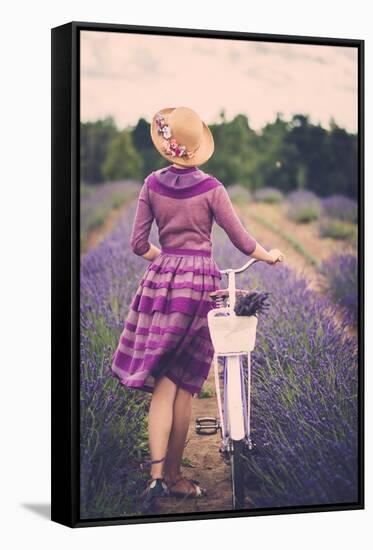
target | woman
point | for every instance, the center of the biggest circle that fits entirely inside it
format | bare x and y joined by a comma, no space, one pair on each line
165,347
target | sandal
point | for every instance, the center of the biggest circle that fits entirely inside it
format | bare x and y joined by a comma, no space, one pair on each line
155,487
196,492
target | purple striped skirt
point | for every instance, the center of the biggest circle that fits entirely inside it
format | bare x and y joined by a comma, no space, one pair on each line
166,332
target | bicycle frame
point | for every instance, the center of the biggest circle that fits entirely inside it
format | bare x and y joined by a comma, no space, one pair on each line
235,414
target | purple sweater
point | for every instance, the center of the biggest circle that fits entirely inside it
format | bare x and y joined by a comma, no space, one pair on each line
184,202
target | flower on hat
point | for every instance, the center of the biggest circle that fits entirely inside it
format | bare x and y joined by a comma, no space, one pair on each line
169,144
166,146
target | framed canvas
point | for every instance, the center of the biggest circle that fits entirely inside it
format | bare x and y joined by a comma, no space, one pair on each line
207,274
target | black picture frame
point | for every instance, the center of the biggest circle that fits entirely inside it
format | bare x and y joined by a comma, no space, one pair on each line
65,175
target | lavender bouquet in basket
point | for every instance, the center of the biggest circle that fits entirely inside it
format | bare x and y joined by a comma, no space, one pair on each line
251,303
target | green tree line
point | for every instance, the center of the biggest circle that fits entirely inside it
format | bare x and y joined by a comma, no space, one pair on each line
284,154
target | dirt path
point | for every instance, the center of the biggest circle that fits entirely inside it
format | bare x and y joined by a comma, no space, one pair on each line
269,239
305,234
207,465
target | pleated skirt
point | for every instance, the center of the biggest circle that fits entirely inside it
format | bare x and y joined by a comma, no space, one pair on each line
166,331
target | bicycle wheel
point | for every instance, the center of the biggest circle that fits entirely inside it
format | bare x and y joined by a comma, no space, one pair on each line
238,489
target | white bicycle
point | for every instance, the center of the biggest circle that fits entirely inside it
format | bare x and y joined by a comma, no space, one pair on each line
233,338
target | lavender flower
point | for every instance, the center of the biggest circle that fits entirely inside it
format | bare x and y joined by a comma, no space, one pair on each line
341,274
252,303
340,208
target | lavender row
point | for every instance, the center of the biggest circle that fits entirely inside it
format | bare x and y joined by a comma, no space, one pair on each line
341,273
97,201
304,410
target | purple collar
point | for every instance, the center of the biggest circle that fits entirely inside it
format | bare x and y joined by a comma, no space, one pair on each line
186,170
205,184
178,180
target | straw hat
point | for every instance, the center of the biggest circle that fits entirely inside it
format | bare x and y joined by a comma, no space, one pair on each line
181,136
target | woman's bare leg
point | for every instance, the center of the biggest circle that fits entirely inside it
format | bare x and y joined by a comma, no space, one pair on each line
160,421
182,410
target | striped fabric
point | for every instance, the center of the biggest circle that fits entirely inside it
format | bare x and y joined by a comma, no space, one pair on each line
166,328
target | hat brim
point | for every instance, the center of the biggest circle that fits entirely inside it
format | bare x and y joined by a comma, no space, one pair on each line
201,156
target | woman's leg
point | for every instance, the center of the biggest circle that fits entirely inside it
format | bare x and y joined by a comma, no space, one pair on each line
181,418
160,421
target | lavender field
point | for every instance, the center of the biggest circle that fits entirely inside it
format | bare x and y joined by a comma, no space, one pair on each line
304,412
304,394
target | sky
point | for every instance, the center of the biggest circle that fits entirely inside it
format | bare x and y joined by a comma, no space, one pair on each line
129,76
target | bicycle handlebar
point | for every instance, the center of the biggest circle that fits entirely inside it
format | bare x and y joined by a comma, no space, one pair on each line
248,264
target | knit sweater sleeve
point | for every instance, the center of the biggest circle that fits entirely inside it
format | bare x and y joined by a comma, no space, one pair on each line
142,223
225,216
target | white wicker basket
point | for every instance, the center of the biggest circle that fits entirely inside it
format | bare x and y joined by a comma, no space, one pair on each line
231,333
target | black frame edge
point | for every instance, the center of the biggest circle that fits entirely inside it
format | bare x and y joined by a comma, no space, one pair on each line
361,270
215,33
63,410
